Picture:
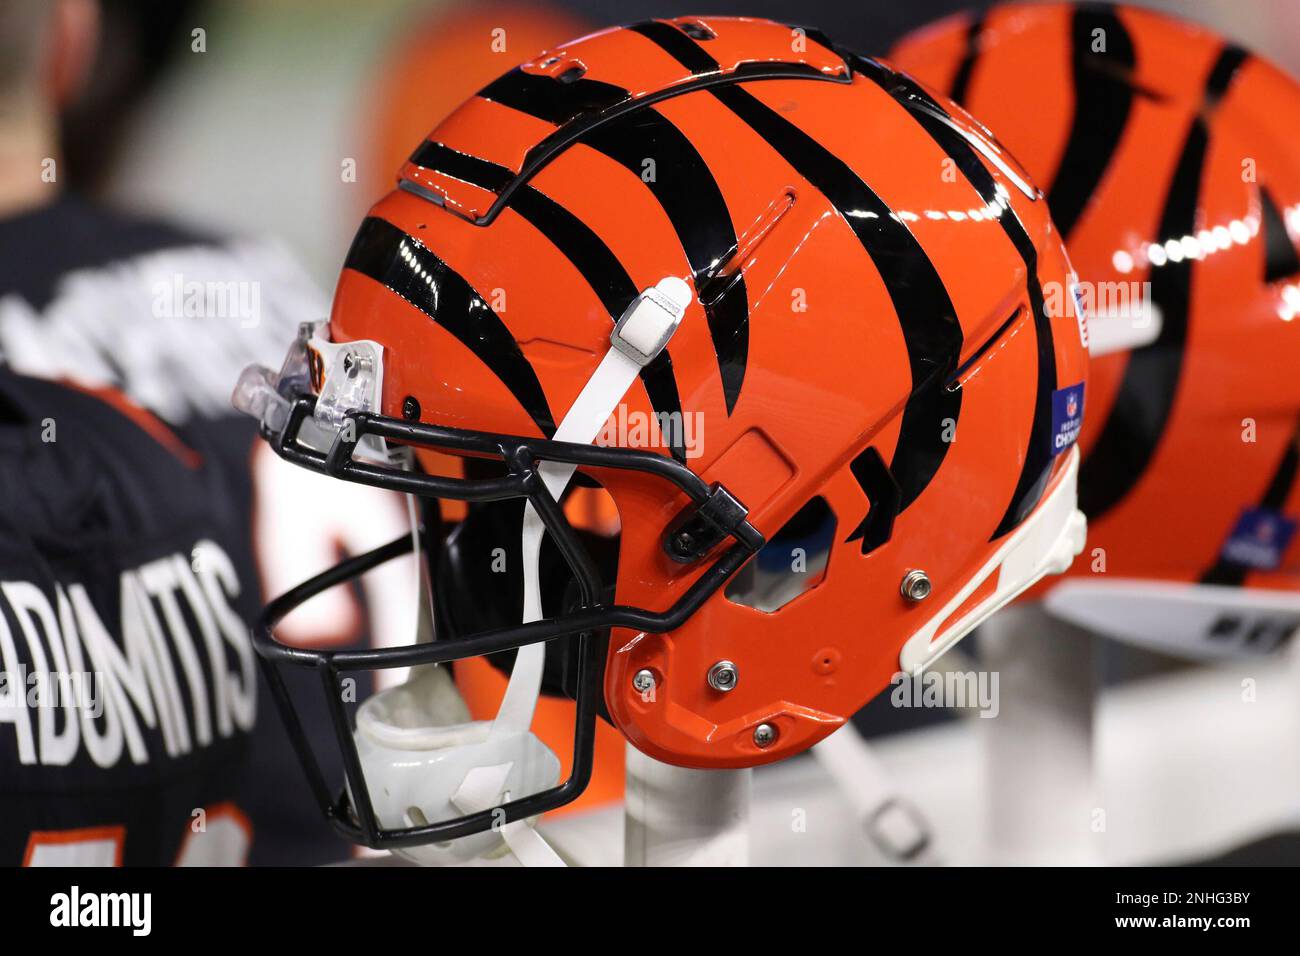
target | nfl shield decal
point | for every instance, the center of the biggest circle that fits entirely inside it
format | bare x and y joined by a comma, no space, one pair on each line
1067,416
1259,539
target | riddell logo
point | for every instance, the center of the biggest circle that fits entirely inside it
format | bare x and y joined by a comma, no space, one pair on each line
73,909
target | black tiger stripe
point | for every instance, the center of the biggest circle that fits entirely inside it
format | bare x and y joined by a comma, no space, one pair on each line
403,264
551,99
482,173
587,112
685,189
1225,68
1276,495
966,69
588,253
676,43
1037,467
1137,420
1280,259
1103,102
883,495
925,312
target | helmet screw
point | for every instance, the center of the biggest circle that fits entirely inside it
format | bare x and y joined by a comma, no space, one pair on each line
764,735
684,543
643,681
410,408
723,676
916,585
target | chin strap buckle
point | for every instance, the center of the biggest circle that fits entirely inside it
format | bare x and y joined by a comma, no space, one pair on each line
898,830
703,526
650,320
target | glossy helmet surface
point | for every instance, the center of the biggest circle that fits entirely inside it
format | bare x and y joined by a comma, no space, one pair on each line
1168,157
872,379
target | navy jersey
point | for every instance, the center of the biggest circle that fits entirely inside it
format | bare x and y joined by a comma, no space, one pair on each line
132,727
130,688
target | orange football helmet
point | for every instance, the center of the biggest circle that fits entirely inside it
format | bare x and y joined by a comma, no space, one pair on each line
790,312
1168,158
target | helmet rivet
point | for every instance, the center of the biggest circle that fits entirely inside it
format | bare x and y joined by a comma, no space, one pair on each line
410,408
764,735
915,586
723,676
643,681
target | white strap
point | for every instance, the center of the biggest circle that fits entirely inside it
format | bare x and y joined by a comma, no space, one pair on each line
639,336
481,790
892,822
597,401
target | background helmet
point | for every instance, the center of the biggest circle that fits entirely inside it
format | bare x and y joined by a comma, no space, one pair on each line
1167,155
871,373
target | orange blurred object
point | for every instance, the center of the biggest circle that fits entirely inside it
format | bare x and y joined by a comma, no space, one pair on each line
1168,156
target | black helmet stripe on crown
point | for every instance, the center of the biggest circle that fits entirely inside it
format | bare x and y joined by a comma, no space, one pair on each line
925,312
677,44
549,99
587,118
687,193
1037,466
913,457
403,265
1128,440
599,267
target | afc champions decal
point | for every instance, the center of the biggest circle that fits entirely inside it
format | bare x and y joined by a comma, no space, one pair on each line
1067,416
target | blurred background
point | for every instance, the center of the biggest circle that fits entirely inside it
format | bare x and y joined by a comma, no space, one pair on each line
290,117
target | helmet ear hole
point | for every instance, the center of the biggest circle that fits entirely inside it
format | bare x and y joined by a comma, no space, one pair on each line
792,563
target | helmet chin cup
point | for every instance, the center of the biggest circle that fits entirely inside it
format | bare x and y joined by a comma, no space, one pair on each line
424,761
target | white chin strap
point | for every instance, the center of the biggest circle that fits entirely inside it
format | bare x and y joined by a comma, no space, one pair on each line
892,822
639,336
